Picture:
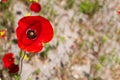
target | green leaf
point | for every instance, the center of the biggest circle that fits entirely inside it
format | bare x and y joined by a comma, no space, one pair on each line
88,7
2,27
62,39
17,77
104,39
102,59
98,66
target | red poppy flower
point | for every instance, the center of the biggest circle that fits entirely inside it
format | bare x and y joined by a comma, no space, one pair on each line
13,68
4,1
35,7
8,59
32,31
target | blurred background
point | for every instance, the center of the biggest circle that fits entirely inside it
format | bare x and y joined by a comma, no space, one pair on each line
86,43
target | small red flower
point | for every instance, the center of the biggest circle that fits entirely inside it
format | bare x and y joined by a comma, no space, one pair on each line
13,68
35,7
32,31
4,1
118,11
8,59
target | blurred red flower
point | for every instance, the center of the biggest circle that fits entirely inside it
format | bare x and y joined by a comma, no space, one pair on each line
118,11
4,1
8,59
13,68
32,31
35,7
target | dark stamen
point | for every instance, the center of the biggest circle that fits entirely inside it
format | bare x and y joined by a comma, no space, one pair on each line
31,34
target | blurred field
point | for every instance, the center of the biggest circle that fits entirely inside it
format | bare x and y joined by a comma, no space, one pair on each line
86,43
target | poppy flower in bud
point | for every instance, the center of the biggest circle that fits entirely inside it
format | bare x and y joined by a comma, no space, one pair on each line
32,32
8,59
2,33
35,6
13,68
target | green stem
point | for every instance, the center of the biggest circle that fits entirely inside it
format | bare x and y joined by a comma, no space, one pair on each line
20,55
21,61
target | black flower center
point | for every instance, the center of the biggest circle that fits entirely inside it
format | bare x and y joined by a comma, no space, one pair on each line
31,34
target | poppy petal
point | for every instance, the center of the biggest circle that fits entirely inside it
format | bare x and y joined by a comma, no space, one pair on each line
46,32
36,47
